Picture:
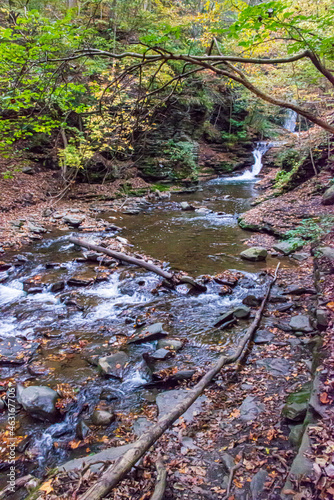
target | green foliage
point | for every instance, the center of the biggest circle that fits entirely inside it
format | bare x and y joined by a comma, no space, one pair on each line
312,229
181,154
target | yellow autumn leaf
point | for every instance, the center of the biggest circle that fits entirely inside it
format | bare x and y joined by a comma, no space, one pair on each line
47,486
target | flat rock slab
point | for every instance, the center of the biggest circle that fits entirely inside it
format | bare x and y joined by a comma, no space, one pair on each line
15,351
167,401
114,365
160,354
299,290
148,334
263,337
108,455
301,323
275,366
250,409
257,483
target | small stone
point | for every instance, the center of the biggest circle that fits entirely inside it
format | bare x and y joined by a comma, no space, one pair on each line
328,196
79,281
147,334
186,206
301,323
102,417
322,318
252,301
17,223
326,252
28,170
113,365
57,287
160,354
36,229
254,254
300,256
82,430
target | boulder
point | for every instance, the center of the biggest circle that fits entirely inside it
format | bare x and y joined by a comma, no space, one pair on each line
160,354
328,196
296,404
39,401
113,365
241,312
149,333
73,221
102,417
300,323
252,301
254,254
289,246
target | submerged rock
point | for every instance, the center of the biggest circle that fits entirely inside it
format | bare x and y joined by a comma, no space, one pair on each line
172,344
82,430
39,401
254,254
113,365
252,301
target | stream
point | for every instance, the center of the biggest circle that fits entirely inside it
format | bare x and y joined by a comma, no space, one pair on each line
62,333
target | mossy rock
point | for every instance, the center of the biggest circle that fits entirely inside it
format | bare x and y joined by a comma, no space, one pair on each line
297,403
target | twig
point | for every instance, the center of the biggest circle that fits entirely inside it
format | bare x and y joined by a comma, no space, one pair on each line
160,486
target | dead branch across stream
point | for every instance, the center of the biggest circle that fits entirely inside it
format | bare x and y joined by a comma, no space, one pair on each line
172,278
116,472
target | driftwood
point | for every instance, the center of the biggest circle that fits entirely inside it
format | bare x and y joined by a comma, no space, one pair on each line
19,483
116,472
139,262
160,486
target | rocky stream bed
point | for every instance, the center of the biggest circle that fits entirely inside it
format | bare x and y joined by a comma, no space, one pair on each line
98,349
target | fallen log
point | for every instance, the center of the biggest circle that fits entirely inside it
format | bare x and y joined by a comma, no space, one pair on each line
123,257
175,280
116,472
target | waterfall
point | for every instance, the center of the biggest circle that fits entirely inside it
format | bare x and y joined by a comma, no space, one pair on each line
249,175
290,121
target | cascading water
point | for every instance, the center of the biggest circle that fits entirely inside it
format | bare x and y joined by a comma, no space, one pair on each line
290,121
249,175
